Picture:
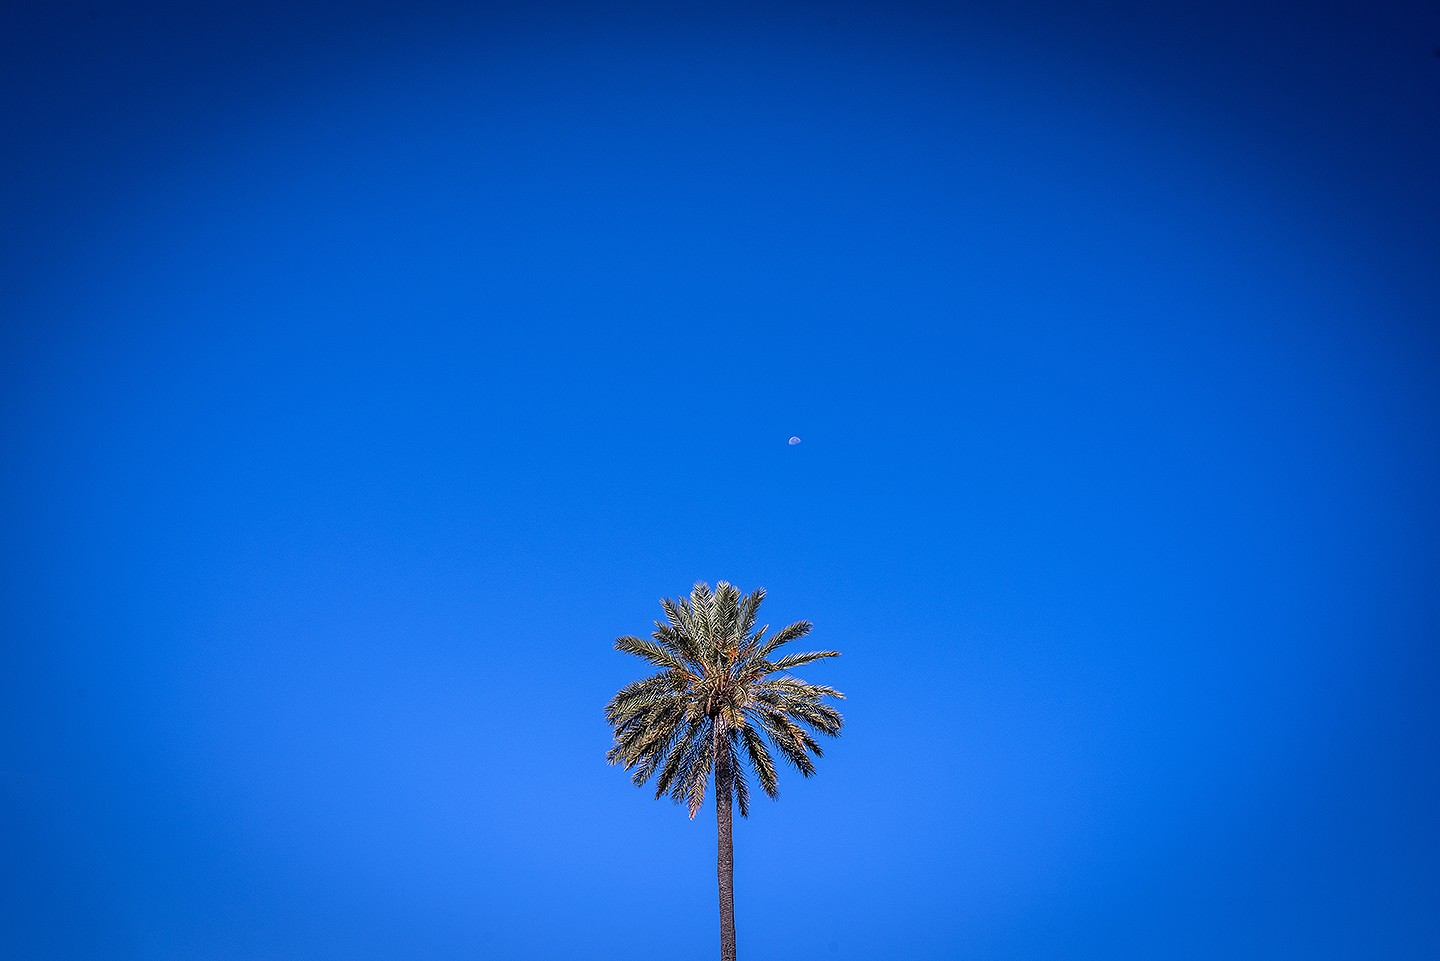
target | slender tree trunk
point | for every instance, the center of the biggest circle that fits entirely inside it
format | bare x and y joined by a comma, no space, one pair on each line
725,861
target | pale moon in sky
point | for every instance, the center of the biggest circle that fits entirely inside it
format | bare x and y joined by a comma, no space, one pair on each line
793,441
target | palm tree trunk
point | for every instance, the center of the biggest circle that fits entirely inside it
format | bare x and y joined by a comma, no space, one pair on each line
725,860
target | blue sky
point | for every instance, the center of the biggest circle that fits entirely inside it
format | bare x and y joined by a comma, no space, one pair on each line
365,372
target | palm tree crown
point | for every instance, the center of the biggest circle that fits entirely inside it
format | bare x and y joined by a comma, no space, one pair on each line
721,693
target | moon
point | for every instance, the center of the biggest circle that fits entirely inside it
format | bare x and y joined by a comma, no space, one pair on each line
793,441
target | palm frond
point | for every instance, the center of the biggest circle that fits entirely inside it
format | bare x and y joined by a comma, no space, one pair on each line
635,696
749,610
684,620
726,618
789,739
794,687
654,754
697,774
818,717
797,660
678,642
738,782
702,607
682,749
647,733
786,634
654,653
760,761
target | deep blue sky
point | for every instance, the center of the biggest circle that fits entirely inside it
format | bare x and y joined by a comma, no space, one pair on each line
364,373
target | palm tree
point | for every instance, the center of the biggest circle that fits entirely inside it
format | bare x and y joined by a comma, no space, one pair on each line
717,699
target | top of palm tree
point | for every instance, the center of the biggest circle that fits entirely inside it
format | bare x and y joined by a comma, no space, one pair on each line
721,694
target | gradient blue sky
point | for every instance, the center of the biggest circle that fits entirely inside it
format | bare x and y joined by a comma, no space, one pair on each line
365,371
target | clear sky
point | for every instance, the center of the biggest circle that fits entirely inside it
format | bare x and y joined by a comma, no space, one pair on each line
366,369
